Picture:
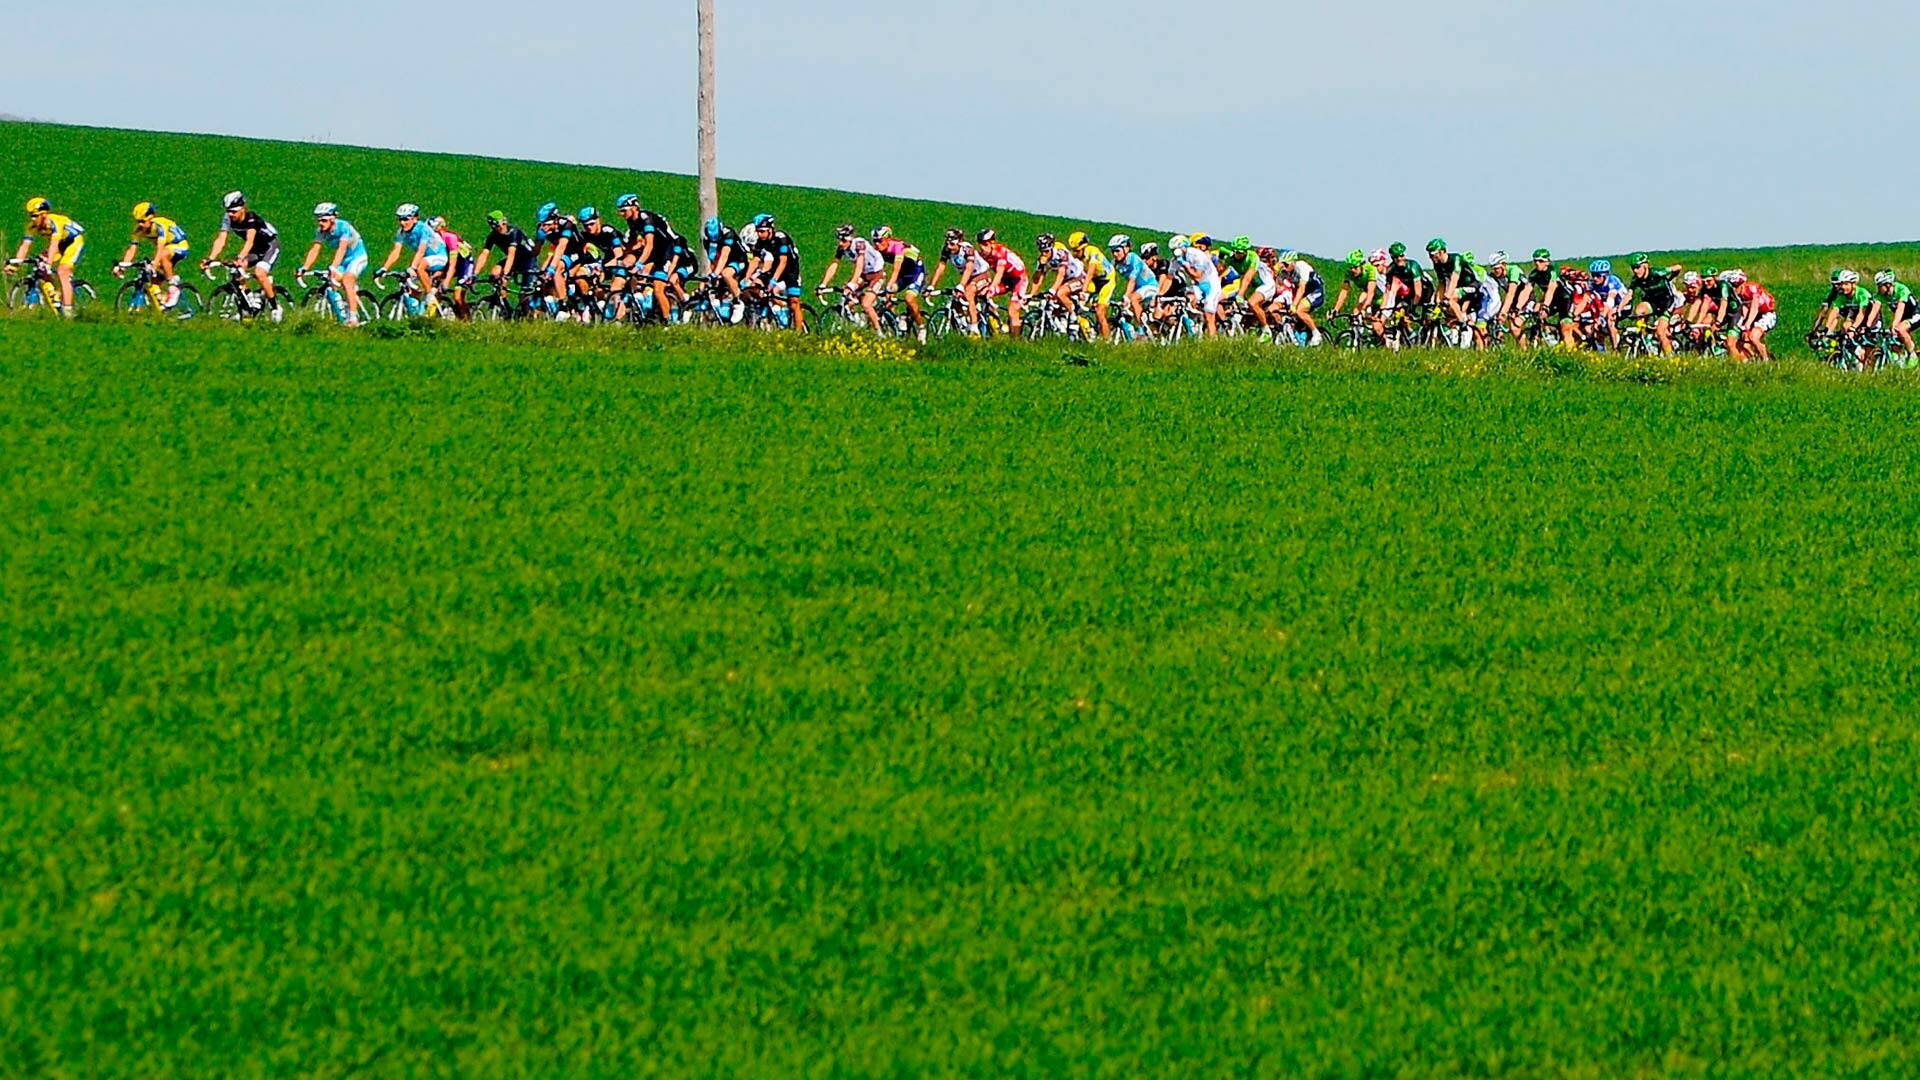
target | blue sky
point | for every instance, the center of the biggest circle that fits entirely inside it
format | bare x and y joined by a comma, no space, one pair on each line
1498,125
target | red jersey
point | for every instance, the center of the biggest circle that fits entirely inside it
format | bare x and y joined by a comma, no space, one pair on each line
1001,257
1754,297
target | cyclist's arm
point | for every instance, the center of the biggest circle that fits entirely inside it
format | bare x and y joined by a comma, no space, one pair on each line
893,275
26,248
220,242
833,270
393,257
133,251
480,261
312,254
723,258
340,254
1340,301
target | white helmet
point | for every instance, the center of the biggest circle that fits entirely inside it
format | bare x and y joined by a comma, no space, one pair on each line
1884,277
1847,277
1498,258
1380,258
1736,277
1691,277
406,210
1120,240
234,200
1289,256
1178,243
326,209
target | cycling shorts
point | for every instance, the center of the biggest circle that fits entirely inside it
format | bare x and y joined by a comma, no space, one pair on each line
356,266
1765,323
1208,293
1315,297
70,254
912,281
1489,304
265,257
435,263
1103,289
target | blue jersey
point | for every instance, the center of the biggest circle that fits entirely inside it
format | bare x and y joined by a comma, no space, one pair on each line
1134,271
1611,289
343,232
423,239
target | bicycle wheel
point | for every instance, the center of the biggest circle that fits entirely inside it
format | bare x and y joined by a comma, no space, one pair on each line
189,305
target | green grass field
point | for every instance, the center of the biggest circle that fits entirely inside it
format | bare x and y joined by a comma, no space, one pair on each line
510,700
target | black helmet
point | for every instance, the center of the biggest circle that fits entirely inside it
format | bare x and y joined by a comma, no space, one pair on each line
843,232
1044,241
986,236
1149,250
955,234
234,200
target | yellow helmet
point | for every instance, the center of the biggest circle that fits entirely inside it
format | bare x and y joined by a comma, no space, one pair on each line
142,211
1076,240
38,205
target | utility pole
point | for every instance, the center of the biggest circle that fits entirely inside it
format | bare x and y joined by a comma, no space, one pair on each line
709,175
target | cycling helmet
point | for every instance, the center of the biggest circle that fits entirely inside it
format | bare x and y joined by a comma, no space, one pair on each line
1076,240
1569,272
986,236
746,232
1267,254
1241,244
496,217
546,211
1380,258
1834,278
1467,256
1884,277
1690,278
406,210
38,205
588,213
142,211
1640,258
234,200
712,228
954,234
1044,241
1542,255
1739,277
1202,240
1177,244
1149,250
1713,272
625,201
882,232
1847,277
763,221
1396,249
1436,244
1356,258
1289,256
1120,240
1498,258
326,209
843,232
1599,268
436,223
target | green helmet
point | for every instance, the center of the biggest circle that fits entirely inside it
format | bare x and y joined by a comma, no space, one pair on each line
1834,278
1242,243
1639,258
496,217
1436,244
1543,253
1356,257
1710,272
1468,256
1398,249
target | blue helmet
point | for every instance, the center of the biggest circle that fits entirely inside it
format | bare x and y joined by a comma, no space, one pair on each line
1599,267
713,228
625,201
588,213
545,213
761,221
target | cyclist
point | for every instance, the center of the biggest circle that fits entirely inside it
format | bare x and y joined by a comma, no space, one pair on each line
429,260
1898,302
973,272
1410,280
349,259
1009,275
1458,288
1567,301
66,242
169,247
517,255
1500,291
1142,284
1826,305
1757,317
1101,282
1361,281
1263,290
1195,268
1239,264
1654,295
1611,297
1535,289
1309,292
601,255
559,234
780,267
1070,279
460,267
906,274
869,269
259,247
1849,304
728,258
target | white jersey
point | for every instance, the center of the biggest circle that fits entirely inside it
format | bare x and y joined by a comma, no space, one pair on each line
1196,267
866,258
968,262
1071,269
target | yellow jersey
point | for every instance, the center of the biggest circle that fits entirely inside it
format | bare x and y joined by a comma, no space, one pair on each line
60,228
1099,267
164,232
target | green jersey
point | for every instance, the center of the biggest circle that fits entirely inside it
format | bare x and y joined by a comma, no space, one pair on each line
1891,300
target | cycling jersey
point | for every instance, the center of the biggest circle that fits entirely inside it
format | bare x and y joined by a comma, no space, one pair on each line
1563,300
728,242
1611,291
1540,280
343,232
645,224
1838,299
968,261
1001,257
1755,296
679,252
1071,269
866,258
59,228
456,247
1234,267
1892,300
779,246
913,267
1656,290
514,246
263,233
1137,274
1099,267
1360,278
1443,273
1406,275
164,232
600,244
557,230
422,238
